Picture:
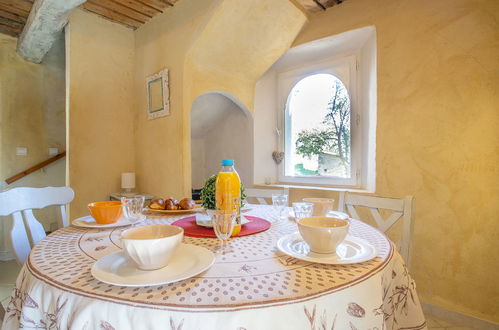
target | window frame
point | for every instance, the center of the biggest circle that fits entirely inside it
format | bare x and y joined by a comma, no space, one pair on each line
344,68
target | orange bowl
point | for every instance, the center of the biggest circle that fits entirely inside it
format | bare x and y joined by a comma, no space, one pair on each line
105,212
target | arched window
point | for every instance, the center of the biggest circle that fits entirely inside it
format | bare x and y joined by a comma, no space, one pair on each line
315,115
320,119
317,128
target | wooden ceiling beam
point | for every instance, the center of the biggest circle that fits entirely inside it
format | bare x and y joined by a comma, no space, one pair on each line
329,3
12,16
8,31
158,4
19,4
140,7
111,15
10,28
121,9
131,13
11,23
14,10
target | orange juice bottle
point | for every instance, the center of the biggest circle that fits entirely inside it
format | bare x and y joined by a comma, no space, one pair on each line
228,192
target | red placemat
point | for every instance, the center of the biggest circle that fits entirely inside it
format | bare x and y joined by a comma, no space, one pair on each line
256,225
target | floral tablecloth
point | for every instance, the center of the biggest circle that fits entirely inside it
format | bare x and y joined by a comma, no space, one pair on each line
254,287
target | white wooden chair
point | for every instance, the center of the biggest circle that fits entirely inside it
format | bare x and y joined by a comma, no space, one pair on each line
261,195
19,202
401,210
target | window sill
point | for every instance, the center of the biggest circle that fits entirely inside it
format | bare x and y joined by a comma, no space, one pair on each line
312,187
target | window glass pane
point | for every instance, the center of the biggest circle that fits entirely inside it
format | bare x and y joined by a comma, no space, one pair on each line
318,128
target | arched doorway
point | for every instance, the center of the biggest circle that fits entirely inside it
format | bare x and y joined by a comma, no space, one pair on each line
221,128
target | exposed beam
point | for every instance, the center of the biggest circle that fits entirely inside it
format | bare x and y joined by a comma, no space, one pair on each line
9,30
12,16
122,9
140,7
320,4
111,15
14,10
45,21
157,4
19,4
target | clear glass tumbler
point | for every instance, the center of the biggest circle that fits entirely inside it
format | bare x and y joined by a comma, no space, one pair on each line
280,202
132,207
302,210
223,225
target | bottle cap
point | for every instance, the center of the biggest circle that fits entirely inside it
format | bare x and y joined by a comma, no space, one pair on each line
227,162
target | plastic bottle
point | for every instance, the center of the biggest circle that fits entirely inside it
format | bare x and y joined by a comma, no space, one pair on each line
228,192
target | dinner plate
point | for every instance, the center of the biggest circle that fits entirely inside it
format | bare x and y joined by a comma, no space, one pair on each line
89,222
352,250
196,208
189,260
204,220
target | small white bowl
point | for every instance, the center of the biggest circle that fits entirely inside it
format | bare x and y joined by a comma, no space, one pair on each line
321,205
151,247
323,234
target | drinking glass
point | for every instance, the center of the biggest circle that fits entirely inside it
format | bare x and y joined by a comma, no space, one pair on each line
280,202
132,207
302,210
223,224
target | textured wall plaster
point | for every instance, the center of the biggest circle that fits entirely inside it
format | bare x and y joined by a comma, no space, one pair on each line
163,43
101,99
437,136
32,115
207,48
238,44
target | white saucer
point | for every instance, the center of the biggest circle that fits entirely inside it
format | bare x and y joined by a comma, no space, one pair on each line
188,261
89,222
352,250
204,220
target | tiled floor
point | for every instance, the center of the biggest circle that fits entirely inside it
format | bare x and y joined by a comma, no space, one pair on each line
438,324
10,269
8,275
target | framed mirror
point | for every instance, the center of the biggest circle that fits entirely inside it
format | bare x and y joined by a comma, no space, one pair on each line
158,95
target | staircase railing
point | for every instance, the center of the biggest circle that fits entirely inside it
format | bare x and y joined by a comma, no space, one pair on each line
32,169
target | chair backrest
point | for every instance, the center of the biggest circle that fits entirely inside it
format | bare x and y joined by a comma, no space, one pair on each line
400,208
19,202
261,195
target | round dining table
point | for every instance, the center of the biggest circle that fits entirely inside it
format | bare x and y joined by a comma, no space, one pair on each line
254,286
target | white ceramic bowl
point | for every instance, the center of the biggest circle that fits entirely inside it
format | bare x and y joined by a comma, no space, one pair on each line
323,234
151,247
321,205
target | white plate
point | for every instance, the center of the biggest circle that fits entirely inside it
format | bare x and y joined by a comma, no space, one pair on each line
204,220
89,222
352,250
188,261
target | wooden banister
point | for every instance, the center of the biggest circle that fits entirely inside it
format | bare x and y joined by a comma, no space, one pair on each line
38,166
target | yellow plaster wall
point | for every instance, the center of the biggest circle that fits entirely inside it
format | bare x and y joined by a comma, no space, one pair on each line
240,42
100,62
163,43
222,45
437,136
32,115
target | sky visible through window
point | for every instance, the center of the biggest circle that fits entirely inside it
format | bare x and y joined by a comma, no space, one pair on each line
308,105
